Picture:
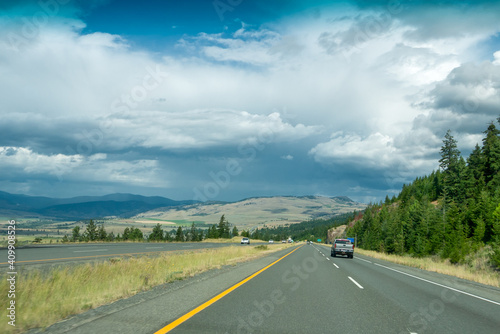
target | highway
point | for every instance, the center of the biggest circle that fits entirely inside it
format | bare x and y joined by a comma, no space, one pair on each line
303,290
55,254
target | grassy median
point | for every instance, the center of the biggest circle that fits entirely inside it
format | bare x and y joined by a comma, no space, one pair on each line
45,298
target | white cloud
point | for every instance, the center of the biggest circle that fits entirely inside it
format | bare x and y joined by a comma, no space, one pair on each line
202,129
392,93
496,55
375,151
66,168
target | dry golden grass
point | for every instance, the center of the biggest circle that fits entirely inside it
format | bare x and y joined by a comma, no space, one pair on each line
476,269
43,299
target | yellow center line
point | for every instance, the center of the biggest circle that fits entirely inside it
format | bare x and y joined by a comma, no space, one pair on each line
90,256
203,306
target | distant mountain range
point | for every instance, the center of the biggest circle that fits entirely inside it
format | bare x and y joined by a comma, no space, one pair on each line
251,211
82,207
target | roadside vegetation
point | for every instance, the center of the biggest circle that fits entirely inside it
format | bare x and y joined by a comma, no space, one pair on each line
476,266
452,214
97,232
44,298
308,230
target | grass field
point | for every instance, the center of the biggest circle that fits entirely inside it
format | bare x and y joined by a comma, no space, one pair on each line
476,268
43,299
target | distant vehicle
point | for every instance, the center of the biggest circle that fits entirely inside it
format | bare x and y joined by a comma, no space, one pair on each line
283,241
309,242
342,247
290,240
245,241
271,241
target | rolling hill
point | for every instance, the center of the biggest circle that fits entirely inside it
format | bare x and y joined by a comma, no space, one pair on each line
254,212
82,207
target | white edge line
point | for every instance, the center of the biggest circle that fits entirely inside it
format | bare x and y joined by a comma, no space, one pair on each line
363,260
441,285
90,250
358,285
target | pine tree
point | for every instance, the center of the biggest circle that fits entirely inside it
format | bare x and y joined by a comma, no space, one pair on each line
76,234
235,231
450,164
193,234
223,228
179,235
491,153
136,234
156,233
111,236
91,231
101,233
126,234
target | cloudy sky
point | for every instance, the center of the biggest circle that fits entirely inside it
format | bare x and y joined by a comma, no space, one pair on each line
227,99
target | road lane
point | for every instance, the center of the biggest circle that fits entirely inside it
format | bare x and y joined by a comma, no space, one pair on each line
435,302
306,292
35,255
151,310
303,293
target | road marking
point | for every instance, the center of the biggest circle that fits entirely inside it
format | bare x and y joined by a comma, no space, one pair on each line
90,250
441,285
203,306
336,266
363,260
328,258
359,285
85,257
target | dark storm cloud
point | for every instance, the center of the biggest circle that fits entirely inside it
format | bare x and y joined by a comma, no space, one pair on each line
469,89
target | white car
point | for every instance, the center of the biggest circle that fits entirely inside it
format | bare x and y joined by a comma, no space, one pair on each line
245,241
271,241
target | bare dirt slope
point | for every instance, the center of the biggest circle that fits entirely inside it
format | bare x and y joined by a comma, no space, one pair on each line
336,233
254,212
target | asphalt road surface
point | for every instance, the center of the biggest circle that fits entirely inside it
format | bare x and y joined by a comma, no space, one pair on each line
303,290
54,254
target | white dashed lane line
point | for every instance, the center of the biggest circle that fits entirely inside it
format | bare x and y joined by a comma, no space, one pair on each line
357,284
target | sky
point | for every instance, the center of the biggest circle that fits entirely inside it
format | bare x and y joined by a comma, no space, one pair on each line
230,99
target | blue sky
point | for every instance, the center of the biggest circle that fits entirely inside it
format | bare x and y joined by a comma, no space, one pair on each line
191,100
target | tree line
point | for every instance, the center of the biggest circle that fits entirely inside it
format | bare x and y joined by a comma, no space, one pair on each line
97,232
313,229
452,212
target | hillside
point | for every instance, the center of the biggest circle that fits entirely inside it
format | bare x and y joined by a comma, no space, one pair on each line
82,207
454,212
256,212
